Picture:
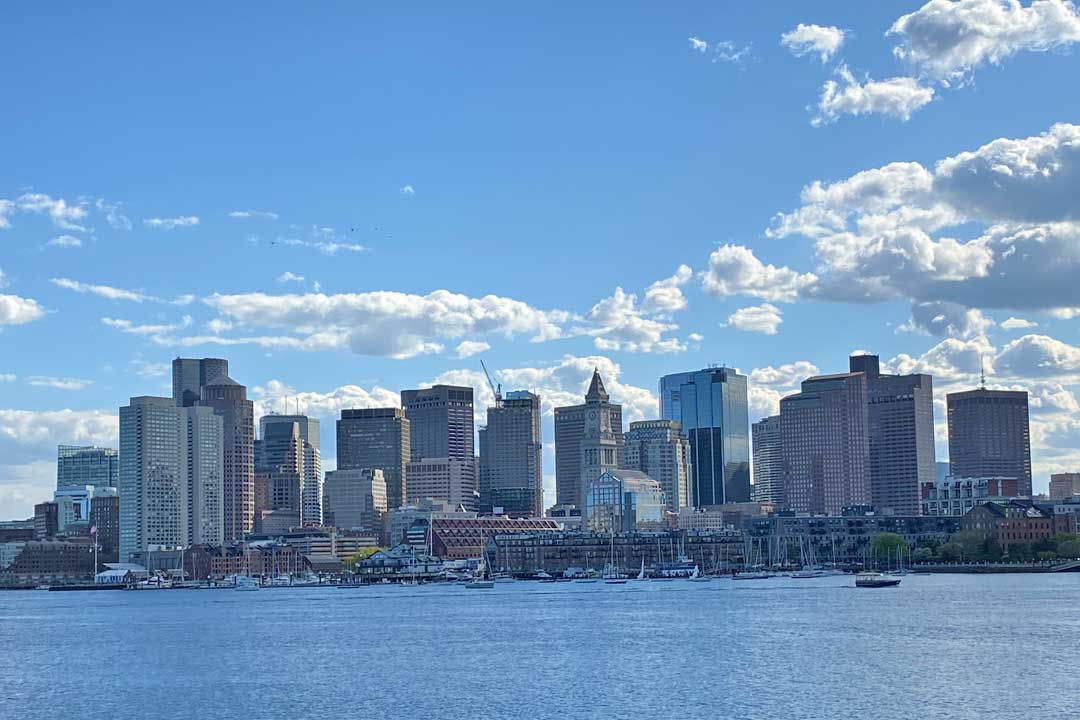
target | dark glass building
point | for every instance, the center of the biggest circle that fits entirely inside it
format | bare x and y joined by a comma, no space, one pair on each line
989,435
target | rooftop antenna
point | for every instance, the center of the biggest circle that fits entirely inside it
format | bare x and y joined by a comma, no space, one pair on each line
982,373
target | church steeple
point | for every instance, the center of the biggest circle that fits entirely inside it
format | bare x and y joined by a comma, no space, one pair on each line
596,388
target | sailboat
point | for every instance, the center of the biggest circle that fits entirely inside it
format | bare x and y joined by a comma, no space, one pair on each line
480,579
696,576
641,572
612,576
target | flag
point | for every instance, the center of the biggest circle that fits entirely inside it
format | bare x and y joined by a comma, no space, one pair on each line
93,529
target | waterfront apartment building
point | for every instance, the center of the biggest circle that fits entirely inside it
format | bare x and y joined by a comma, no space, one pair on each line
901,436
824,430
711,406
372,438
451,481
308,429
153,482
768,461
79,466
659,449
956,496
229,400
588,442
355,500
440,422
190,374
511,461
989,435
1064,485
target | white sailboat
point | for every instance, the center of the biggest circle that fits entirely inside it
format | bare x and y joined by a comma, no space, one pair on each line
612,576
480,580
641,572
696,576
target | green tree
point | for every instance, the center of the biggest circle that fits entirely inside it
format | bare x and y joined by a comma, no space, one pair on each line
1069,549
887,545
951,552
922,555
349,563
973,545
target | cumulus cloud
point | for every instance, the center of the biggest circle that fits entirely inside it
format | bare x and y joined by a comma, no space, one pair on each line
6,208
698,44
896,97
1040,356
764,318
287,276
617,323
949,39
806,39
271,397
408,190
59,383
171,223
666,296
8,377
63,215
947,319
468,348
735,270
16,310
1015,323
766,385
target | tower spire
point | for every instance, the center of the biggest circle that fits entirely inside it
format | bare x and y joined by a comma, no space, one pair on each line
982,372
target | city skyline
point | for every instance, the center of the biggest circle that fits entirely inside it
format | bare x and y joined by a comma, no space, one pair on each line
578,206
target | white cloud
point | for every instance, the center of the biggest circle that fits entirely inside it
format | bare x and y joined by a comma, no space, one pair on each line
59,383
289,277
63,215
3,280
948,40
326,247
734,270
6,208
113,216
171,223
468,348
896,97
806,39
7,377
253,214
766,385
104,291
1015,323
271,397
727,51
65,241
407,190
617,323
158,333
698,44
666,296
16,310
151,369
947,319
379,323
764,318
1040,356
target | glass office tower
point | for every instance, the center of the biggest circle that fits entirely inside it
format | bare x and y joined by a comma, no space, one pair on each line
711,405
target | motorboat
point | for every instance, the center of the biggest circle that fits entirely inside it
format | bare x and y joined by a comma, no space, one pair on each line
875,580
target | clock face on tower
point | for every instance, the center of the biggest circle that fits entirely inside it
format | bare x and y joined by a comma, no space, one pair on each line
592,414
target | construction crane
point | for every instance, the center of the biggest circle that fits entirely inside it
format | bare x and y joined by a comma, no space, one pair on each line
495,389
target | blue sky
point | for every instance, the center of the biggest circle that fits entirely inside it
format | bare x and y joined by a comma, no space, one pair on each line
349,199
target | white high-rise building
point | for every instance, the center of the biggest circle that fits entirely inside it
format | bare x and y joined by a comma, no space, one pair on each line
205,471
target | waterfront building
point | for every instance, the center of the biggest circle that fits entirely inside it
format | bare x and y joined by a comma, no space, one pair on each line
308,430
722,517
105,519
402,560
443,480
409,524
711,407
153,482
229,400
623,501
376,438
14,530
190,374
588,442
205,475
1064,485
79,466
72,506
901,435
462,538
440,422
52,561
1017,523
568,516
46,520
989,435
559,553
956,496
826,454
768,461
659,449
511,461
355,500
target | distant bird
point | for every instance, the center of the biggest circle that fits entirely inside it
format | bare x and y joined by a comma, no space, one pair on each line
352,229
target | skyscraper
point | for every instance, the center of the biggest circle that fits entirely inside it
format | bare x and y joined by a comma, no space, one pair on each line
79,466
901,417
658,449
205,475
189,375
768,462
588,442
228,399
356,499
373,438
440,422
153,482
279,457
824,431
448,481
1064,485
989,435
511,473
308,432
711,407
